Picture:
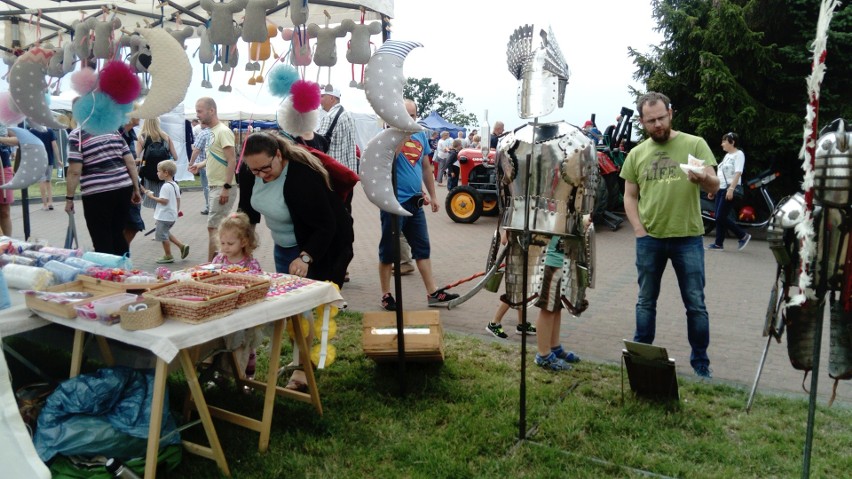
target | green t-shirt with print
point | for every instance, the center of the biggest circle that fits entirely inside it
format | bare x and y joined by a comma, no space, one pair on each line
669,204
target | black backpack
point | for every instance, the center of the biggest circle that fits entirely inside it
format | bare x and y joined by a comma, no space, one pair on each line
152,154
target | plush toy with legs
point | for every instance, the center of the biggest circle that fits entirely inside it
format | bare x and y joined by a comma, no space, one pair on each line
254,24
261,51
221,29
326,48
181,34
233,56
103,47
83,38
358,49
300,46
206,55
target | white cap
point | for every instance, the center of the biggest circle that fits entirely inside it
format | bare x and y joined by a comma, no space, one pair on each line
331,91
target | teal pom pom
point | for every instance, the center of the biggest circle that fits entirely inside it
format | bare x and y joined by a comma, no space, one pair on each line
280,79
98,114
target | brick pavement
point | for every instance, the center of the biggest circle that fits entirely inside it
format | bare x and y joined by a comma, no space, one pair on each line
738,285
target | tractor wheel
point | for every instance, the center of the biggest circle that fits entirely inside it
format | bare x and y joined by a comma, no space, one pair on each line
464,204
489,205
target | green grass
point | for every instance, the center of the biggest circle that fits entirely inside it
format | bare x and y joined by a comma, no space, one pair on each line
460,419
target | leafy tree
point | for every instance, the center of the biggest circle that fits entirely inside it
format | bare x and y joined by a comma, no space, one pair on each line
429,96
740,65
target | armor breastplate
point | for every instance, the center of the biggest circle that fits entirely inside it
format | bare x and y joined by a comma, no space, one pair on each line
562,183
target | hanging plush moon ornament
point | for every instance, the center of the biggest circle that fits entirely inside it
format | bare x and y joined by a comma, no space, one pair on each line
170,74
33,160
28,86
383,83
376,162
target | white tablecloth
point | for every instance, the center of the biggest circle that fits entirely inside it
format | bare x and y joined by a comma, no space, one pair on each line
168,339
17,453
18,319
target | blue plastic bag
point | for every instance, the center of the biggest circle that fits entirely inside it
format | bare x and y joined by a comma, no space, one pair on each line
103,413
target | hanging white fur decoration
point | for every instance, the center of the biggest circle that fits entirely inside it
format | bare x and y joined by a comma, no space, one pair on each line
805,229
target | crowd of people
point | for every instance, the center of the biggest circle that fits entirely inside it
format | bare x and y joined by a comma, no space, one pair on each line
301,184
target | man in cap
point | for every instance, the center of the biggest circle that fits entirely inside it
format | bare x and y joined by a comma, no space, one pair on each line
341,132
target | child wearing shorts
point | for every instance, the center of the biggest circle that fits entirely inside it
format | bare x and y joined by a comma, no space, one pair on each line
166,211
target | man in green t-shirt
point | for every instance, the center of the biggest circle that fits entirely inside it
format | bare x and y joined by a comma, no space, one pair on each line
662,202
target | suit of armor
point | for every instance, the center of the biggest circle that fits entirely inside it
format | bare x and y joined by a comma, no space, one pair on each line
831,267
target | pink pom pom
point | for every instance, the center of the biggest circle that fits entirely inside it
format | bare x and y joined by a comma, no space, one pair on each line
9,113
120,82
306,96
84,81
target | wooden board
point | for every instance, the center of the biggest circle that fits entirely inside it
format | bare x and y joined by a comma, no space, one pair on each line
67,310
116,287
418,347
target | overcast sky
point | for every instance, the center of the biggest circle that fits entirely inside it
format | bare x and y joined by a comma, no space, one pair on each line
465,53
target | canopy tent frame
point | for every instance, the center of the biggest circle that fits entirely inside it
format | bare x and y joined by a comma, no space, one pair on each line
375,9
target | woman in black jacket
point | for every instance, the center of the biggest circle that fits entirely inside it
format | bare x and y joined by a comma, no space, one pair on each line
311,229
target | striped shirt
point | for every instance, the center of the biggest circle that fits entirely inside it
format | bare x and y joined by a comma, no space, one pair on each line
342,147
102,157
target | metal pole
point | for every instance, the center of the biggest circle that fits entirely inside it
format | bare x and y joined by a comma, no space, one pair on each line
759,372
397,287
821,288
525,246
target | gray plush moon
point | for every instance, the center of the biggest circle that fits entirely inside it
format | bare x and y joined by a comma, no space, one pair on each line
376,163
383,83
170,74
27,86
33,160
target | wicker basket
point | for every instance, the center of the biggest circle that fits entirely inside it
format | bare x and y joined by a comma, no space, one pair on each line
253,289
144,319
209,301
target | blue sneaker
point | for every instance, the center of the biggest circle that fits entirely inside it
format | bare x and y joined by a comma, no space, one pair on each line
552,363
568,356
703,371
715,247
743,242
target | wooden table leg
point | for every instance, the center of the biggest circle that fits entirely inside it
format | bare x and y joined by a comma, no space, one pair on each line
77,353
106,353
271,382
203,413
305,357
155,426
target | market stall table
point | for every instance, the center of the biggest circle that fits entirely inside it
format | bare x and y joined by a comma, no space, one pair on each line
174,339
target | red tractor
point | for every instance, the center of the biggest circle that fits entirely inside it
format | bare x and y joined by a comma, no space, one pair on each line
476,194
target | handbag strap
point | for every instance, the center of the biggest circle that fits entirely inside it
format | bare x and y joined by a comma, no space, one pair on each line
333,123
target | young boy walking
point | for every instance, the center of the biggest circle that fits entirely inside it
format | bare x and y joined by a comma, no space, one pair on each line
166,212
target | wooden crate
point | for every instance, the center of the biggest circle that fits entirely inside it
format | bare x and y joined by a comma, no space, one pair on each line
418,347
67,310
116,287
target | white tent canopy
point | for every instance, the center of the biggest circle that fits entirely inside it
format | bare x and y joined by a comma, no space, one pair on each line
57,16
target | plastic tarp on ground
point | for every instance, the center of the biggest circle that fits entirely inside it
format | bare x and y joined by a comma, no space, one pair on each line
435,122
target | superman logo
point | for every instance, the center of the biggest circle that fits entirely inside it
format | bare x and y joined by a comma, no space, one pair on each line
412,149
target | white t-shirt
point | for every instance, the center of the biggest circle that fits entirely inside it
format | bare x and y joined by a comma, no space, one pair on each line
443,145
169,211
732,164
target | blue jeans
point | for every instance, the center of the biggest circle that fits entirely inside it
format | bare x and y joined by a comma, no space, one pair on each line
413,228
723,209
205,187
687,257
283,257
